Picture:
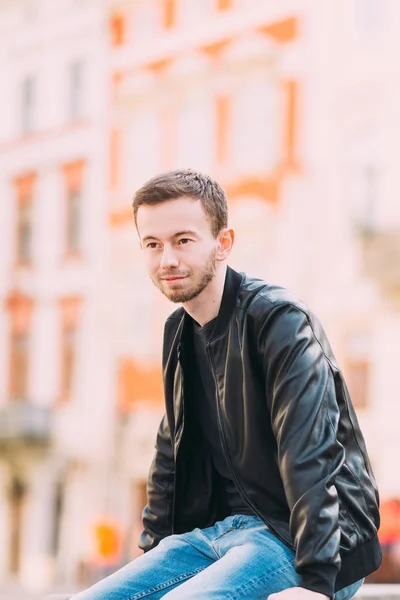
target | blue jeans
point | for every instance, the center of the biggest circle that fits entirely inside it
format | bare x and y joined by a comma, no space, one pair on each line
236,558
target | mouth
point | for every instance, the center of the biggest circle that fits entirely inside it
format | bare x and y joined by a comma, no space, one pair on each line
173,278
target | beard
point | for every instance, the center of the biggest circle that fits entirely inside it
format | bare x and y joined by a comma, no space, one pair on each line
200,281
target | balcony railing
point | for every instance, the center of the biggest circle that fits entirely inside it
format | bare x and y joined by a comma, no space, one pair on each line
25,423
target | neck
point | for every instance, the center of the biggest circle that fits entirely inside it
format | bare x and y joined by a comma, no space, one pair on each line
206,305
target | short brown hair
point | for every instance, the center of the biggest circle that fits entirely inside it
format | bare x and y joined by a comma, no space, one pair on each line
186,183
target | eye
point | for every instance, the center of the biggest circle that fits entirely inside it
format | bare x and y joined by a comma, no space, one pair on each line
184,241
152,245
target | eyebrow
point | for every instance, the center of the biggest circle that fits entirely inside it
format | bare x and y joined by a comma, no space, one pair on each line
177,234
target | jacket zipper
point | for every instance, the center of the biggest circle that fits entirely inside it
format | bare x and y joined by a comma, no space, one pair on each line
229,462
179,348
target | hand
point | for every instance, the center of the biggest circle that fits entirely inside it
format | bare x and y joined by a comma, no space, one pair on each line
297,593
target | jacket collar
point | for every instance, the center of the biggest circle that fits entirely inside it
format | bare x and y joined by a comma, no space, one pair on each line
233,281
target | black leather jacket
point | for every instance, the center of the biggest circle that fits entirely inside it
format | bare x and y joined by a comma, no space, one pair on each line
289,433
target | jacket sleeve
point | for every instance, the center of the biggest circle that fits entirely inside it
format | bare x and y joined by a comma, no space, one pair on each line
157,515
304,415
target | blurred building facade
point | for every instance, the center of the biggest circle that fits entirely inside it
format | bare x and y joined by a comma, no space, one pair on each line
290,105
55,399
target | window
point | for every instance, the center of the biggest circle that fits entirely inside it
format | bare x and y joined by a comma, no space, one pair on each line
137,382
73,221
192,13
138,500
223,109
17,497
114,157
73,174
141,494
24,231
28,99
195,121
117,29
68,361
58,506
141,148
19,362
256,124
289,132
169,13
20,308
24,225
69,324
357,380
168,120
224,4
358,368
76,90
369,14
362,177
147,20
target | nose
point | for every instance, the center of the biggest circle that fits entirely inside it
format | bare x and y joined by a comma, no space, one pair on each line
169,259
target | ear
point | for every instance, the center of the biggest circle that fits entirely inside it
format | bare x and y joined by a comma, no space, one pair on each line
226,241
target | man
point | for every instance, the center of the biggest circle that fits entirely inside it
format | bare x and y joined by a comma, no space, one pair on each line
261,485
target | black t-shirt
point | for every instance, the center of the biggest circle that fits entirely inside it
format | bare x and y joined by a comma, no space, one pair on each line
202,398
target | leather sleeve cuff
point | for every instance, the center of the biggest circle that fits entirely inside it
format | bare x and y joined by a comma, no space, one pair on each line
321,580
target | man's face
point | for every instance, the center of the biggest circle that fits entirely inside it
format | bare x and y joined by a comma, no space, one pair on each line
179,247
